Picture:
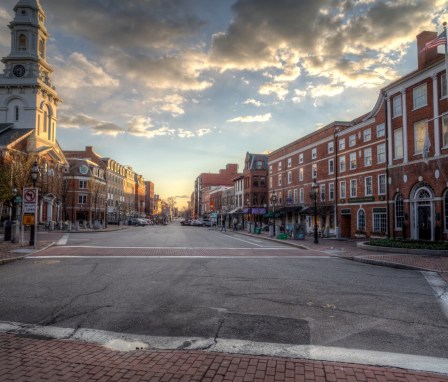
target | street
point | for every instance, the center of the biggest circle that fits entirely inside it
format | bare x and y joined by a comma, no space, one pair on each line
192,282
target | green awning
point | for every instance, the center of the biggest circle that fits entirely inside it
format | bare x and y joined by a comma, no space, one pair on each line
270,214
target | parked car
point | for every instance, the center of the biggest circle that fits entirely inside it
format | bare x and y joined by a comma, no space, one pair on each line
197,223
138,222
207,222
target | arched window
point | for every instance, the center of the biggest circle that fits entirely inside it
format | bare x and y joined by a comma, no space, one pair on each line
445,208
16,112
399,211
361,220
45,121
22,42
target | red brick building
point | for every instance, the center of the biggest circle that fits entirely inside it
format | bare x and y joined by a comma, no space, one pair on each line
371,177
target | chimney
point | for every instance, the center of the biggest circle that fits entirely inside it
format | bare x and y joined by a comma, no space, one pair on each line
427,57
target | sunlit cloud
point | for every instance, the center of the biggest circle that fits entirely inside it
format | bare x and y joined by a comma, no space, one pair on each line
253,102
84,121
252,118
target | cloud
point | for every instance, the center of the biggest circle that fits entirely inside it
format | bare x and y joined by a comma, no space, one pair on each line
252,118
84,121
141,126
252,101
182,133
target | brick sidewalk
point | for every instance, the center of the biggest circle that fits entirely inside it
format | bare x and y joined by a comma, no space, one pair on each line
30,359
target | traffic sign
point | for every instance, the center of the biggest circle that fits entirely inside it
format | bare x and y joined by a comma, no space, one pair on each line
28,219
30,195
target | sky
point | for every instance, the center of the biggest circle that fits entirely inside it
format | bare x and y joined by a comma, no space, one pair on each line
175,88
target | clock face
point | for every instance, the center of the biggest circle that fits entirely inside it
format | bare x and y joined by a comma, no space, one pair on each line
18,70
83,169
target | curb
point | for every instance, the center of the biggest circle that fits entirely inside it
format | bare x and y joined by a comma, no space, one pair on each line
404,251
12,259
387,264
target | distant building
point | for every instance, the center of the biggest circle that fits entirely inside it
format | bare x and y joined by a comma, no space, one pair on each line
149,199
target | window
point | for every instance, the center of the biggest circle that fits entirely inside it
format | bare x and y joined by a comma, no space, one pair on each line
342,164
381,184
314,171
352,140
302,195
368,186
331,191
353,185
368,156
420,129
396,106
301,174
367,135
82,199
289,177
279,180
330,166
379,220
262,181
380,131
322,192
270,168
279,166
352,161
314,153
22,42
16,112
300,158
255,181
330,147
399,211
270,182
361,220
398,143
443,86
296,196
289,197
445,129
342,144
259,164
419,96
83,184
289,162
381,153
343,189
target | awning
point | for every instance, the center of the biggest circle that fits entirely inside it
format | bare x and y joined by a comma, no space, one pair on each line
236,211
258,211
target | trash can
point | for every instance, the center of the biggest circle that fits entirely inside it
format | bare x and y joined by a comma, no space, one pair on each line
257,230
8,230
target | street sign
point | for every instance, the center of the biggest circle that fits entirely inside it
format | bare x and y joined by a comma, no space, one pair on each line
29,200
28,219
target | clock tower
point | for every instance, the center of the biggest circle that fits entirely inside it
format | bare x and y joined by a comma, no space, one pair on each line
28,100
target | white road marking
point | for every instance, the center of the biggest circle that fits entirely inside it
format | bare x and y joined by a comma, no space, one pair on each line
440,288
118,341
178,257
63,240
245,241
193,248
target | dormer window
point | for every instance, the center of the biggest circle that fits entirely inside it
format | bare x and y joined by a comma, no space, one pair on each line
22,42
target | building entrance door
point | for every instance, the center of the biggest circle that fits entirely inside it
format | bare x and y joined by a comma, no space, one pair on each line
424,222
346,226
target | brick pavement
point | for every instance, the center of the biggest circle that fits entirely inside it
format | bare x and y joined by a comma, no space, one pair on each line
33,359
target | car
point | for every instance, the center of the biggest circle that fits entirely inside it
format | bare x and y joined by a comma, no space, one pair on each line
197,223
207,223
138,222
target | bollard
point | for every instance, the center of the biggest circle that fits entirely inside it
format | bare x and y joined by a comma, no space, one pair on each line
8,228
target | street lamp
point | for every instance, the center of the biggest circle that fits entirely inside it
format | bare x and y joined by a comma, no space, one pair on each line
314,191
273,200
14,203
34,176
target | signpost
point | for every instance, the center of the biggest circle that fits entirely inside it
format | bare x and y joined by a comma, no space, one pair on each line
29,209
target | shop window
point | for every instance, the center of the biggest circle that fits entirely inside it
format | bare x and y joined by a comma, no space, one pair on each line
399,211
361,221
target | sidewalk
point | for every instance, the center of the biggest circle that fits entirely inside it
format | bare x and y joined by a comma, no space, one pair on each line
31,359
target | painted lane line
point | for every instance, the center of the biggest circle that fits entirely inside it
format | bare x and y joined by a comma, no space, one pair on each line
178,257
63,240
440,288
245,241
183,248
118,341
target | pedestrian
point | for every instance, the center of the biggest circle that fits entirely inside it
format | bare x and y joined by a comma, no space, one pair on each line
223,224
235,224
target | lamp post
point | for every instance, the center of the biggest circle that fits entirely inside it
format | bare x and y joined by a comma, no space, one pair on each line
34,176
14,203
314,191
273,200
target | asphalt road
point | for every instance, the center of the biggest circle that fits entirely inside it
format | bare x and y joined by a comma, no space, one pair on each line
261,291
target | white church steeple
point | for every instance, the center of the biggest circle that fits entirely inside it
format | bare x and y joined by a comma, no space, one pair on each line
27,97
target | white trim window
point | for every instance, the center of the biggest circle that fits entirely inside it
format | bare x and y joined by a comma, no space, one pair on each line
343,189
443,86
301,195
314,153
83,184
419,96
397,110
398,143
280,180
420,128
368,186
367,135
331,191
289,177
445,130
314,171
289,162
300,158
368,156
399,211
270,168
279,166
353,161
342,163
379,220
381,153
270,182
380,130
361,223
330,166
296,196
341,144
82,199
322,192
352,140
301,174
353,188
382,184
330,147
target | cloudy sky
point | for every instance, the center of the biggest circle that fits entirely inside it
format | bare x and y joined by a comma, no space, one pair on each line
174,88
